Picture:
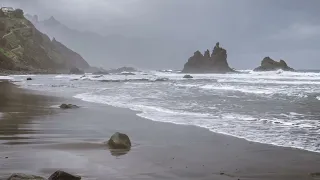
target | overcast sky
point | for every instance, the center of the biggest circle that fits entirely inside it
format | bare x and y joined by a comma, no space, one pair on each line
248,29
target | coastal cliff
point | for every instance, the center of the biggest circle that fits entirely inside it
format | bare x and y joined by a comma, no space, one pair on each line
24,48
208,63
268,64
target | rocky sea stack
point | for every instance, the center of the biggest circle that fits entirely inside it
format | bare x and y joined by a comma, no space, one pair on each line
208,63
268,64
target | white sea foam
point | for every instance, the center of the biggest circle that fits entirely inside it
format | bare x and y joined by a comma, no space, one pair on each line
234,88
239,125
209,104
6,78
264,81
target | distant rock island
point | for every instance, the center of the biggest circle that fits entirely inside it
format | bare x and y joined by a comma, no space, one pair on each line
268,64
24,48
208,63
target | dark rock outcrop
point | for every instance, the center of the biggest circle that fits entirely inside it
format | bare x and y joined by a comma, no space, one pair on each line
75,70
187,76
61,175
268,64
68,106
119,141
19,176
214,63
122,70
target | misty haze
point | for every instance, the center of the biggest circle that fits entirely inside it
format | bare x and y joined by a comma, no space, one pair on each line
159,89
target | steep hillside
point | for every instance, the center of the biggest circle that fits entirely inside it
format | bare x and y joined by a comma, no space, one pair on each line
23,47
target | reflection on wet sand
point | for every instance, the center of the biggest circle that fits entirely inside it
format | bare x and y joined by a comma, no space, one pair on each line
18,108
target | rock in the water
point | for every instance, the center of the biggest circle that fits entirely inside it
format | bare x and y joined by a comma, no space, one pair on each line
119,141
25,177
162,79
187,76
61,175
29,79
68,106
214,63
76,71
101,73
122,69
268,64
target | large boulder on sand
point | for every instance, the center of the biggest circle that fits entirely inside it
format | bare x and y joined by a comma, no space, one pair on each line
214,63
68,106
119,141
268,64
19,176
61,175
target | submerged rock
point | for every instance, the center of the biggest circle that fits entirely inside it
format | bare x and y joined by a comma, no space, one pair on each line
61,175
214,63
119,141
68,106
19,176
268,64
162,79
29,79
187,76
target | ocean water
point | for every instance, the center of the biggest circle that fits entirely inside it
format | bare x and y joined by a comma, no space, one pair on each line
279,108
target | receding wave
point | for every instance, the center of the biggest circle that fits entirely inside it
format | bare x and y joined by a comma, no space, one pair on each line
249,127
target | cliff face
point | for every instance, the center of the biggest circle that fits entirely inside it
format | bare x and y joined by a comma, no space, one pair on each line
23,47
214,63
268,64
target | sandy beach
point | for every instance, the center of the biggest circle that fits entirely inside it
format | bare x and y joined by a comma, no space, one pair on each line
38,138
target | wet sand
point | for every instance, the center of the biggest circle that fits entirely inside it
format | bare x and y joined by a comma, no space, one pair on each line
37,138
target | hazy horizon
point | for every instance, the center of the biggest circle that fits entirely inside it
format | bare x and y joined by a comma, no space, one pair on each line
172,30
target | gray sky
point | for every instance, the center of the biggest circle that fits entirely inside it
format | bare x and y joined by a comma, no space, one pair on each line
248,29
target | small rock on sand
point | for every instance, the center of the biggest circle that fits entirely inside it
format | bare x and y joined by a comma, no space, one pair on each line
61,175
68,106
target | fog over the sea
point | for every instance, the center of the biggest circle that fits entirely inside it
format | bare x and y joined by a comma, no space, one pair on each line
171,30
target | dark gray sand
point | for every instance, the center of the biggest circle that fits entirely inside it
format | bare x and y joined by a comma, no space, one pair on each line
38,138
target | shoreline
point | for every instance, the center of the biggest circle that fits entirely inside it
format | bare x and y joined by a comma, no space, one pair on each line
162,150
138,112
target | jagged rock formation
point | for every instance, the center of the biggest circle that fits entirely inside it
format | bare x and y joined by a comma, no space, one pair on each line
268,64
24,48
214,63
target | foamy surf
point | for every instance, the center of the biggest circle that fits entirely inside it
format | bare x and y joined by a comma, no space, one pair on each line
233,124
277,107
